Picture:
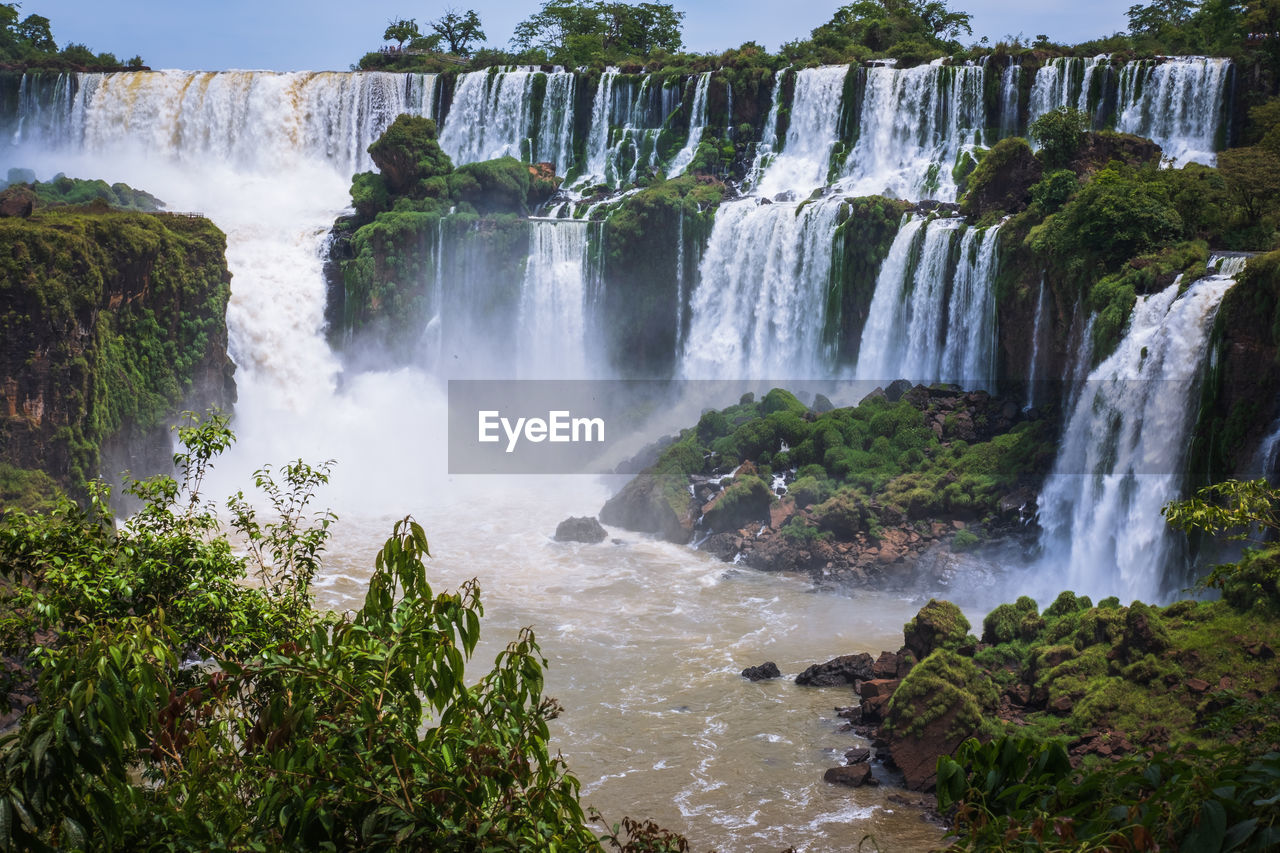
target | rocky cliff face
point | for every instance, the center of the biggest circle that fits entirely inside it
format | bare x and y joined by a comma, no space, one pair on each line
110,324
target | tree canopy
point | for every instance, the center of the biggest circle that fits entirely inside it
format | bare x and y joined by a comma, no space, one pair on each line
896,27
459,30
574,32
28,41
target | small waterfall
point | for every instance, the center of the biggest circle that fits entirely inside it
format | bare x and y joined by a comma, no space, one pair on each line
1266,462
1033,367
1123,449
968,350
932,315
555,128
555,302
805,160
626,121
768,134
681,297
1177,102
1010,83
913,124
45,106
1057,84
759,308
697,123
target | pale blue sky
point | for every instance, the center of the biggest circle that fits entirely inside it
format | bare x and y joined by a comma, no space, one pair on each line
332,34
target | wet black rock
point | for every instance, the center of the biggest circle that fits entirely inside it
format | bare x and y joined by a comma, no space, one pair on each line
844,670
768,669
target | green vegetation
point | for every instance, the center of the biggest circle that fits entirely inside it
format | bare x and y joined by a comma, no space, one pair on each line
580,32
641,239
911,31
1134,727
389,252
27,42
878,463
61,190
175,706
111,320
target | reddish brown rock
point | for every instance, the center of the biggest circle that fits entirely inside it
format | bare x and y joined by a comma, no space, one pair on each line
878,687
886,666
916,755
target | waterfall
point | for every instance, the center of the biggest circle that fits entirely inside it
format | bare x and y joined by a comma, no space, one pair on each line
768,134
626,121
912,126
252,119
1010,81
555,137
555,302
932,315
1123,449
697,123
1033,367
1177,102
492,116
805,160
759,307
1266,462
968,350
1056,84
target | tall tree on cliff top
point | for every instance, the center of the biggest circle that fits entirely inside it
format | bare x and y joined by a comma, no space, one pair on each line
575,32
459,30
401,31
905,28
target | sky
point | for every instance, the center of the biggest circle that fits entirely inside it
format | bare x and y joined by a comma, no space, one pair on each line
292,35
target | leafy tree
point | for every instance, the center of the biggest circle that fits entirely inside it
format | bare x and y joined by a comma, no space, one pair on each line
908,27
459,30
1155,18
1253,176
1059,133
35,30
401,31
575,32
178,708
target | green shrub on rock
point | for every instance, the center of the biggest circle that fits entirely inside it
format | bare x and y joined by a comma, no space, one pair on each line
938,625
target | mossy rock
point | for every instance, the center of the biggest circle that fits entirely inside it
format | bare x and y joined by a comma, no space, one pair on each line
1007,622
938,625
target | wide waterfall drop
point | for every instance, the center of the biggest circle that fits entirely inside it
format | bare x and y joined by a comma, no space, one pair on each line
805,159
932,317
490,116
1123,450
1177,102
759,309
912,126
555,302
697,123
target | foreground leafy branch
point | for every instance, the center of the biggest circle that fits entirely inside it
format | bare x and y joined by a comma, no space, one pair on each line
175,707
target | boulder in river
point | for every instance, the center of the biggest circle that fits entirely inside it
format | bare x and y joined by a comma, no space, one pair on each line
768,669
585,529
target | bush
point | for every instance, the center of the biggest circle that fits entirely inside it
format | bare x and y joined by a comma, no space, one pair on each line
299,730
